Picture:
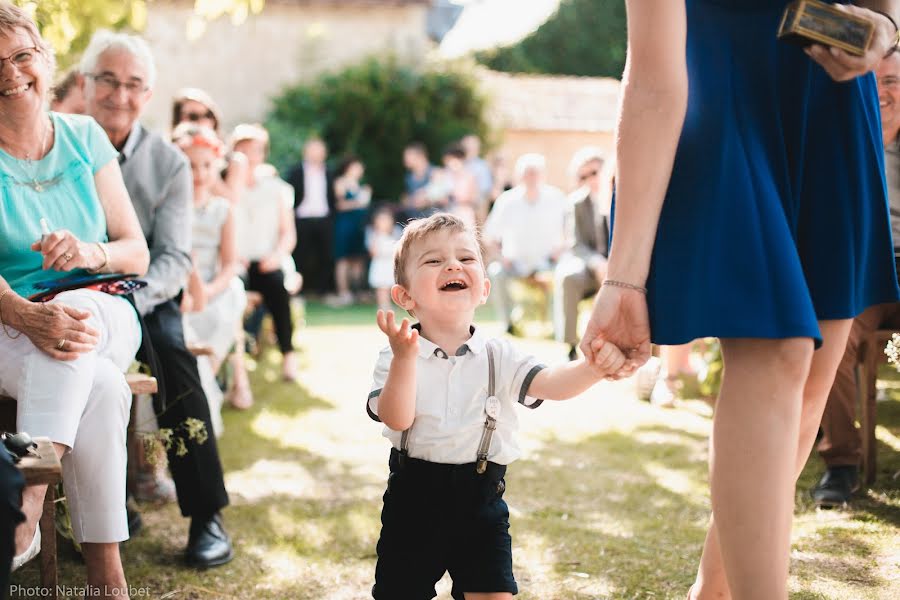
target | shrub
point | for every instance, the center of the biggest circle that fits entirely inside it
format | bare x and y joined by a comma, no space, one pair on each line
373,109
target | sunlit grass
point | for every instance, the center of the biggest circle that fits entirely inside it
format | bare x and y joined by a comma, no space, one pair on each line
609,501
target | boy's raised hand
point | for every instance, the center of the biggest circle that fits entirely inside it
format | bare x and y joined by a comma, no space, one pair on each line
404,339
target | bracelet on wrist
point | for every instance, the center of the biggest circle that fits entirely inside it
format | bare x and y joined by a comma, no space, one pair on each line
105,263
625,284
896,40
3,322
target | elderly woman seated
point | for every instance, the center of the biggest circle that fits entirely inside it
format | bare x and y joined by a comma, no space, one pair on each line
63,360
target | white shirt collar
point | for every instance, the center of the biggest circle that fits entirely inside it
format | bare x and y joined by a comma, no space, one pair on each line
428,349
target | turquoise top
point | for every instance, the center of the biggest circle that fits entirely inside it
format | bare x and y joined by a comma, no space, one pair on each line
60,188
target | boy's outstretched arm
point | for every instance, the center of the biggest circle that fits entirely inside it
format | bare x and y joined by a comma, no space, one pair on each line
569,380
397,401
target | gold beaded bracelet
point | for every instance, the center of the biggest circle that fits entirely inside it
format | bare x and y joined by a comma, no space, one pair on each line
626,285
105,263
2,322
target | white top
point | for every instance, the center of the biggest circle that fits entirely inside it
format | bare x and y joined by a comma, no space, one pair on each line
450,400
529,232
258,214
315,193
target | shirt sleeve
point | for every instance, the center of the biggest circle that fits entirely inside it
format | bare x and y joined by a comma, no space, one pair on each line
516,371
99,147
378,378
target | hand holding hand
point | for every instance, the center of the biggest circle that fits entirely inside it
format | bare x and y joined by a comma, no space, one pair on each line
843,66
608,359
64,252
404,339
58,330
619,318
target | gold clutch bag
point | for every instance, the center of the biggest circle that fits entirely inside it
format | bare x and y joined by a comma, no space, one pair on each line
812,22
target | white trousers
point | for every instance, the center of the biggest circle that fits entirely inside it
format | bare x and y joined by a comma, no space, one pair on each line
83,404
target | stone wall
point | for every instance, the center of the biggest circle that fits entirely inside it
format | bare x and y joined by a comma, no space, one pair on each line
243,66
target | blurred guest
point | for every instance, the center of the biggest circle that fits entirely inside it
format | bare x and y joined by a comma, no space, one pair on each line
479,168
380,239
501,178
416,201
583,267
119,73
193,105
313,210
351,213
66,96
463,187
526,230
841,443
214,305
266,236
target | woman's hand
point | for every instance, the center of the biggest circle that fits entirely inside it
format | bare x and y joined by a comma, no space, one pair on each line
404,339
270,263
619,317
57,329
63,251
843,66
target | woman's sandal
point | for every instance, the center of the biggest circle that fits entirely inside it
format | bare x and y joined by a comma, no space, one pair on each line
33,549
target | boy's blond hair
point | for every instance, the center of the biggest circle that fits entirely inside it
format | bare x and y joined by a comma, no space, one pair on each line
419,229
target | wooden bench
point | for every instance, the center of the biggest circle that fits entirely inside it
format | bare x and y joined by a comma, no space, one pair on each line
45,469
870,355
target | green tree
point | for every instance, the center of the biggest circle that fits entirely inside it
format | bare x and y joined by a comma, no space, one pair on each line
584,37
373,109
69,24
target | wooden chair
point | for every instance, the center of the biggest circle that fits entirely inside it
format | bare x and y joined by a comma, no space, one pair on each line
45,469
870,355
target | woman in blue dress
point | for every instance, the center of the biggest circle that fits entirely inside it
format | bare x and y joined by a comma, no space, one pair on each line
751,206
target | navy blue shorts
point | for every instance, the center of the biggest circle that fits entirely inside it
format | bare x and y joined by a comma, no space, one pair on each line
439,518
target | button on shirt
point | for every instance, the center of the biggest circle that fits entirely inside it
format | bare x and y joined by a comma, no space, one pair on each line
450,399
529,231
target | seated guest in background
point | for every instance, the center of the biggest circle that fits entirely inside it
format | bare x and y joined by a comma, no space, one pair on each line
266,236
417,202
461,184
66,96
350,216
119,73
525,230
841,443
479,168
64,360
313,218
214,306
583,267
193,105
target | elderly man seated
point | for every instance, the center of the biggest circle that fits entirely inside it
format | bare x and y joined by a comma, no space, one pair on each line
581,270
65,212
119,72
525,230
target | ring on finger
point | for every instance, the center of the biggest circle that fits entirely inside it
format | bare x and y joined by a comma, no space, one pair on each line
61,344
67,256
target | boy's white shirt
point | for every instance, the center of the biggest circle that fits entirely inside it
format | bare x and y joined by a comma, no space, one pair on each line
450,399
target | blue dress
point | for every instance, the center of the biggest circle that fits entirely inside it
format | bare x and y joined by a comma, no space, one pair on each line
776,214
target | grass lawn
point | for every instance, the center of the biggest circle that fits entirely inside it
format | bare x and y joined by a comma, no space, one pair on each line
609,501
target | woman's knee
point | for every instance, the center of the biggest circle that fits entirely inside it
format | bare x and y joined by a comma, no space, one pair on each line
778,360
110,396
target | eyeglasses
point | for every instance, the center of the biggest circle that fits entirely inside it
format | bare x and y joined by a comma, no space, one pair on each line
582,177
20,58
108,83
197,116
889,81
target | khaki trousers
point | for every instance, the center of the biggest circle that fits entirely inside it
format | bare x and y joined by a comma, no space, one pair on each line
841,443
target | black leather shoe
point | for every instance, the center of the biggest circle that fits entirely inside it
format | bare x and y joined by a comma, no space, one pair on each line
836,486
208,543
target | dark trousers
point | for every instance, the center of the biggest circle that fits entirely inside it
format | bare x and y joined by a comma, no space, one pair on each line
276,299
11,484
313,254
199,481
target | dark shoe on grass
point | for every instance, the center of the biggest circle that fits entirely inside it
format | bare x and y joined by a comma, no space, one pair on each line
836,486
208,544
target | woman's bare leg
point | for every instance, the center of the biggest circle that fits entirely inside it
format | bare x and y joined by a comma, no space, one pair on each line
711,578
104,570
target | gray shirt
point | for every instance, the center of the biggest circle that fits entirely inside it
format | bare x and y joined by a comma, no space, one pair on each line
892,173
158,178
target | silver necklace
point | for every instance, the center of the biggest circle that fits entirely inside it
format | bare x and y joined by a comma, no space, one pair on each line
29,165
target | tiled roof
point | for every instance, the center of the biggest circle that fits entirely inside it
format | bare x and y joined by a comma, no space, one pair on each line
550,102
